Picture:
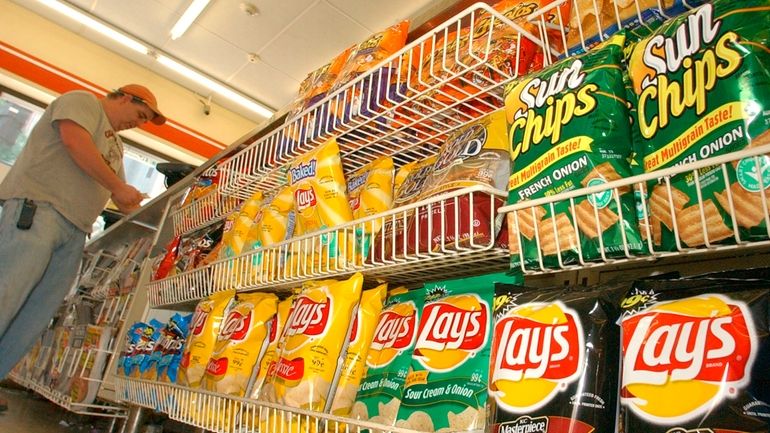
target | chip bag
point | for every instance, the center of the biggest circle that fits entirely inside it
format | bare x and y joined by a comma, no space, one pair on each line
370,192
358,348
235,236
242,340
140,358
694,356
473,156
446,387
592,21
706,100
320,200
312,344
173,347
557,145
374,92
204,329
387,362
554,360
266,366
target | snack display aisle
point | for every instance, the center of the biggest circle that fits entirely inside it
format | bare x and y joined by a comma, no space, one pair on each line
434,90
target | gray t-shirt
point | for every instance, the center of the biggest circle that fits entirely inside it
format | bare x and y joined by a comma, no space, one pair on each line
46,172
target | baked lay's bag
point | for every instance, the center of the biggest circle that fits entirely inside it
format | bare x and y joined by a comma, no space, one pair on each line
370,192
320,199
387,363
694,357
358,348
204,329
701,81
275,222
554,362
240,344
446,387
235,236
266,365
313,343
556,146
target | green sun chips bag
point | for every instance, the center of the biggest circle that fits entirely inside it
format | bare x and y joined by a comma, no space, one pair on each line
703,84
568,129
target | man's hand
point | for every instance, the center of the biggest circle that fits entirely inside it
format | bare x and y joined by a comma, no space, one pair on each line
126,198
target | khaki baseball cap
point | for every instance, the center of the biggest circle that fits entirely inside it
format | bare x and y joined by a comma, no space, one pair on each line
144,95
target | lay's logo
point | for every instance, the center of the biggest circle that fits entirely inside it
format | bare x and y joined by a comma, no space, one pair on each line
308,317
304,198
538,352
201,315
451,331
394,333
236,326
684,357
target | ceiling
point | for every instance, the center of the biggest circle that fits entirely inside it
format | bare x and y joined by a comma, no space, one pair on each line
290,38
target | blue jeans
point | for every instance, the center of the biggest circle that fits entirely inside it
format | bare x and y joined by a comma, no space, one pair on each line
37,269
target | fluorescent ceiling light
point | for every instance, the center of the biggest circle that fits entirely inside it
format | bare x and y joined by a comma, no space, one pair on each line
214,86
96,25
190,15
170,63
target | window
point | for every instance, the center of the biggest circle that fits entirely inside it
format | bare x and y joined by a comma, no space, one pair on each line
17,117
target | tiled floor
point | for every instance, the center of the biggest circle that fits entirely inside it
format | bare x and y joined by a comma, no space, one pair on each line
28,413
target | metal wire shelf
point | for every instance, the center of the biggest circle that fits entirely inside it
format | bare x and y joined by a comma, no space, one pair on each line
702,231
69,366
453,234
395,109
204,211
226,414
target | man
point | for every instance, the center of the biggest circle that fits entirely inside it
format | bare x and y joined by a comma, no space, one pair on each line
71,165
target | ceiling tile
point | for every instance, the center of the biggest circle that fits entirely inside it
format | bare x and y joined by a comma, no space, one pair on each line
378,15
207,52
150,20
226,20
266,84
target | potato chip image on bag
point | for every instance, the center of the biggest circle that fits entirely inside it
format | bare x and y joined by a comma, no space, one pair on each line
204,328
312,344
569,129
447,381
705,102
241,342
358,348
387,363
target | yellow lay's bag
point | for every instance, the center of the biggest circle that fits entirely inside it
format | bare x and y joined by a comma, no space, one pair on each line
241,342
267,364
370,192
313,340
204,329
318,184
360,339
235,236
275,222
